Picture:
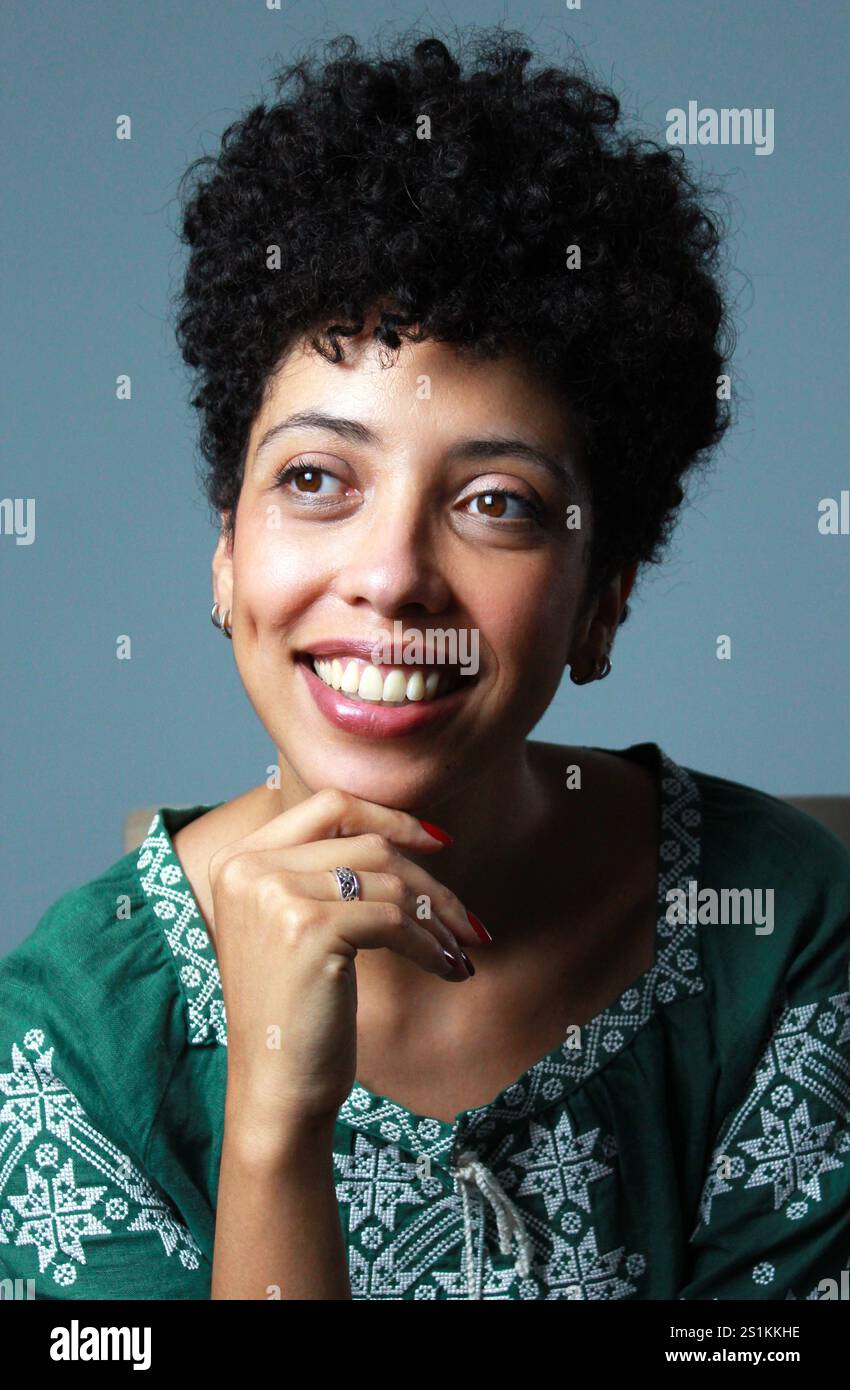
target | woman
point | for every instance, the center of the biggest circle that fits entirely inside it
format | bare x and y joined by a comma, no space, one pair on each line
460,343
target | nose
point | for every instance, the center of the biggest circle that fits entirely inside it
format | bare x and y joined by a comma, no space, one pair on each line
394,564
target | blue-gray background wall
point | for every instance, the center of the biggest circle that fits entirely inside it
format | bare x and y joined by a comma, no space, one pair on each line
124,537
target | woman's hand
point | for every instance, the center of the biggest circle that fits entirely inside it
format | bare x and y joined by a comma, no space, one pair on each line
287,944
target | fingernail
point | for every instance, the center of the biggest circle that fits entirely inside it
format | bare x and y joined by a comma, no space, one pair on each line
450,958
438,834
478,926
467,962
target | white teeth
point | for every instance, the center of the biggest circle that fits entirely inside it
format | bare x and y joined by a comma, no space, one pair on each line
368,683
351,678
395,688
416,686
371,684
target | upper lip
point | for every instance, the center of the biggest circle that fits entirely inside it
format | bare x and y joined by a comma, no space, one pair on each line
345,646
337,646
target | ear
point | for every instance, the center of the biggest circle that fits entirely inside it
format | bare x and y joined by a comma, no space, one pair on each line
612,600
627,579
222,568
598,626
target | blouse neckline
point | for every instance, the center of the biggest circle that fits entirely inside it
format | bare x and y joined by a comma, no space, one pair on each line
675,973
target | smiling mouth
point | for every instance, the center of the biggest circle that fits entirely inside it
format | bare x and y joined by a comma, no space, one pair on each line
386,685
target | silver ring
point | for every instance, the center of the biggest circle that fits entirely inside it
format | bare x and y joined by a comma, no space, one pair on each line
348,884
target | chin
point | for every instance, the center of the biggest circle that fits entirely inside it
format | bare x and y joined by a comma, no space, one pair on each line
400,784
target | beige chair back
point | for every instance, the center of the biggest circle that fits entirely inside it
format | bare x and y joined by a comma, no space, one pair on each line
831,811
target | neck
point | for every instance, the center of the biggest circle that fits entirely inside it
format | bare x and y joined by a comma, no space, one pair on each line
502,816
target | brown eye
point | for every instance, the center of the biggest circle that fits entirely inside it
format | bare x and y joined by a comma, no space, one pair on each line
492,503
310,480
504,505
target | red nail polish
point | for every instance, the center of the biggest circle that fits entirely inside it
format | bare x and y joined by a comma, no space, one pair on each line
438,834
478,926
467,962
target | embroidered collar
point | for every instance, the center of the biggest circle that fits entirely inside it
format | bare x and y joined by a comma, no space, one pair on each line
676,973
172,901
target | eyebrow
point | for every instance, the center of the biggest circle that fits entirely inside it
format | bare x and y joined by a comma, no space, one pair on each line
354,432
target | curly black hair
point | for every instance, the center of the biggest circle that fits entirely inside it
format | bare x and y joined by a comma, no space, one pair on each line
462,237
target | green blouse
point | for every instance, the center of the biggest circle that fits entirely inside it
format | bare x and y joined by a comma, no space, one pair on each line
693,1141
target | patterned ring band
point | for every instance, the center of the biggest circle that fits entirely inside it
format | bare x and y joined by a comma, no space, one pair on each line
348,885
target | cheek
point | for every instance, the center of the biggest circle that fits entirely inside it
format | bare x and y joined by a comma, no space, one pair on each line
272,576
529,622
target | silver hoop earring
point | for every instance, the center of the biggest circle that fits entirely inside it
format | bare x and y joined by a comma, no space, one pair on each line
222,623
601,669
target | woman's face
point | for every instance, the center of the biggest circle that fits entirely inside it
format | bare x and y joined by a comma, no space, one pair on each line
432,497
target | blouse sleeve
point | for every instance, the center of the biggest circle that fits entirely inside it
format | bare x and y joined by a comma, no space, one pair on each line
78,1216
774,1211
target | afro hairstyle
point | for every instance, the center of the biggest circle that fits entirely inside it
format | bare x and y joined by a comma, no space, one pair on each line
458,228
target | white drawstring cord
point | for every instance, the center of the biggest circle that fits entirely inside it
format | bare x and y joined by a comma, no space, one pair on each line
509,1222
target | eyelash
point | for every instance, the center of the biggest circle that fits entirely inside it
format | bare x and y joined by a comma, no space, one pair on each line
295,469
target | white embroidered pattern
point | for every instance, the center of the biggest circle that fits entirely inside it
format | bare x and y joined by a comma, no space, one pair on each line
396,1251
772,1141
43,1121
171,898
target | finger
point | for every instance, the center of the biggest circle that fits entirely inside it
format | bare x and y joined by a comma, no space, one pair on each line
368,926
376,853
374,887
331,814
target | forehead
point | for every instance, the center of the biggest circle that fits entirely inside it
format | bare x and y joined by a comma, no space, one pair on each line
429,388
